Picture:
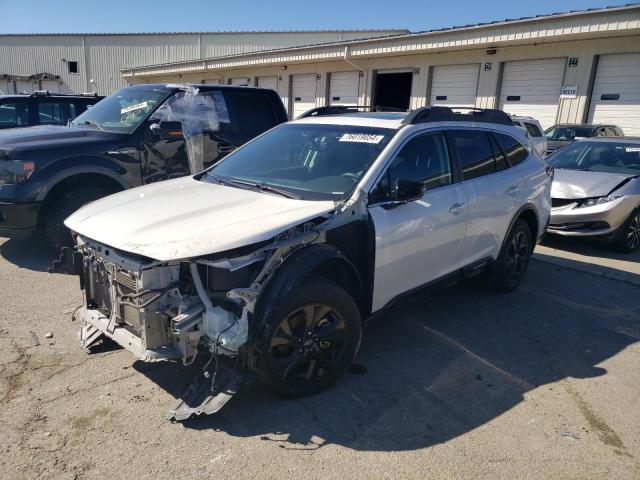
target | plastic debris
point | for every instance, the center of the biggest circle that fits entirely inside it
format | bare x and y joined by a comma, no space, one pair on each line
34,339
569,435
48,335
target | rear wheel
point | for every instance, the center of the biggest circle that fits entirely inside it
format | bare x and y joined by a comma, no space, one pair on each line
57,234
309,340
513,260
627,237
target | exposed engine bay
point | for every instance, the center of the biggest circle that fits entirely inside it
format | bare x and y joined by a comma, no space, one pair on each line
178,310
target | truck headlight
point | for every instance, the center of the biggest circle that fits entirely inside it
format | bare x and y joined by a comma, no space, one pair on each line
15,171
591,202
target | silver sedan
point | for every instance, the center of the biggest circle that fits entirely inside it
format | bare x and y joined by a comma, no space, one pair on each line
596,191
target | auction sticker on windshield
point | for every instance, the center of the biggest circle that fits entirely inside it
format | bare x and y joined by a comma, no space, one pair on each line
131,108
361,138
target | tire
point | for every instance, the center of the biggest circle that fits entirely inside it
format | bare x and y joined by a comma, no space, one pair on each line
512,263
293,360
56,233
627,237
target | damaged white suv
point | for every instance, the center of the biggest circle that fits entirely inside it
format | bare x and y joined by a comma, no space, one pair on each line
274,256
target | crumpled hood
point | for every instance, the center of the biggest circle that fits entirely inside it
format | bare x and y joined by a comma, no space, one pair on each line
576,184
186,218
20,143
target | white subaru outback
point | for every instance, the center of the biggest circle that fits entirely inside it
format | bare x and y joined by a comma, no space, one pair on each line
273,257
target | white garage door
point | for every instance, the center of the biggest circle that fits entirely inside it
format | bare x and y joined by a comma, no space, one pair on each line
454,85
211,81
24,86
532,88
344,88
241,82
268,82
616,92
52,86
303,93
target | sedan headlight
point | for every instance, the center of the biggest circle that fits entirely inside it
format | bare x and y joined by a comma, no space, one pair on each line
15,171
591,202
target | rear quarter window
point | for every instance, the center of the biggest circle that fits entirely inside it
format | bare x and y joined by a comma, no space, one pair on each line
516,152
533,129
474,153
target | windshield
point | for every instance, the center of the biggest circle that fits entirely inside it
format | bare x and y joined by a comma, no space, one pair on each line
310,161
123,111
568,133
611,157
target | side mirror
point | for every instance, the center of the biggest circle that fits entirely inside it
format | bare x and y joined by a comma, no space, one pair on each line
408,190
166,130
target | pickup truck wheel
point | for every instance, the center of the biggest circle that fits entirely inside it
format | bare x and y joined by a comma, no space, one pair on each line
513,260
310,339
57,234
627,238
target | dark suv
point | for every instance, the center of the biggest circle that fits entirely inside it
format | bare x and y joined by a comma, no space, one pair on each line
140,134
42,108
562,134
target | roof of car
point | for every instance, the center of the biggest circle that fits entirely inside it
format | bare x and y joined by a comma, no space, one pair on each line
394,120
634,140
50,95
584,125
199,86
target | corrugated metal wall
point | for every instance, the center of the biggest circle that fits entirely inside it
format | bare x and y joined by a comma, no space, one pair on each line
101,57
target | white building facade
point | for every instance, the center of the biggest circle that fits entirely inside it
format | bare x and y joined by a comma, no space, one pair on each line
92,62
571,68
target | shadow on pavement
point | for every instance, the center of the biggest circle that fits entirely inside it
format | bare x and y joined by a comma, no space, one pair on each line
28,251
442,365
588,247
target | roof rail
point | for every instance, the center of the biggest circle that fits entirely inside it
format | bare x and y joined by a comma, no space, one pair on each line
447,114
344,109
46,93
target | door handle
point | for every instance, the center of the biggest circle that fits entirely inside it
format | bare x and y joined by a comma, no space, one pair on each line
457,208
513,189
225,147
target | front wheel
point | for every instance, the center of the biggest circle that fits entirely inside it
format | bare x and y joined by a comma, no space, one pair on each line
627,239
57,234
513,260
309,340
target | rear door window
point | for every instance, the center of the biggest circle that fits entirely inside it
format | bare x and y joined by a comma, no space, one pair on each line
52,113
251,114
512,148
474,152
14,114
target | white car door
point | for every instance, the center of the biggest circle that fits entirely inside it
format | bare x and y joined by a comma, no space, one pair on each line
421,240
493,189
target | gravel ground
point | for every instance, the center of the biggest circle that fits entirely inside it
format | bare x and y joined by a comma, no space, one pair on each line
539,383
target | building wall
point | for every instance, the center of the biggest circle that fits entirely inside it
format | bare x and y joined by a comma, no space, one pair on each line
101,57
569,110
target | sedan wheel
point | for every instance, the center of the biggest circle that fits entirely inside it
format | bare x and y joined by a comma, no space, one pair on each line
629,235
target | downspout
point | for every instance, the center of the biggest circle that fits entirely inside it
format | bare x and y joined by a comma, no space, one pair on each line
361,70
353,64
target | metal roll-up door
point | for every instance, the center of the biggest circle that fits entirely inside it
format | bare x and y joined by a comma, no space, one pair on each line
344,88
454,85
240,82
270,82
616,92
532,88
303,93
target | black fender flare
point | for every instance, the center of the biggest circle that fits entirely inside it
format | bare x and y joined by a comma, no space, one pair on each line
296,268
525,208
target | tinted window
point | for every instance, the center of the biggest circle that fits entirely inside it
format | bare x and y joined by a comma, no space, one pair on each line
424,158
50,113
501,160
474,152
533,129
253,114
513,149
14,115
568,133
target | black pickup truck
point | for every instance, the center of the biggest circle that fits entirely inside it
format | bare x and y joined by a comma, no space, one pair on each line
133,137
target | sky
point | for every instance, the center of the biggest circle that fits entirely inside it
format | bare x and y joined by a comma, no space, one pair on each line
118,16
